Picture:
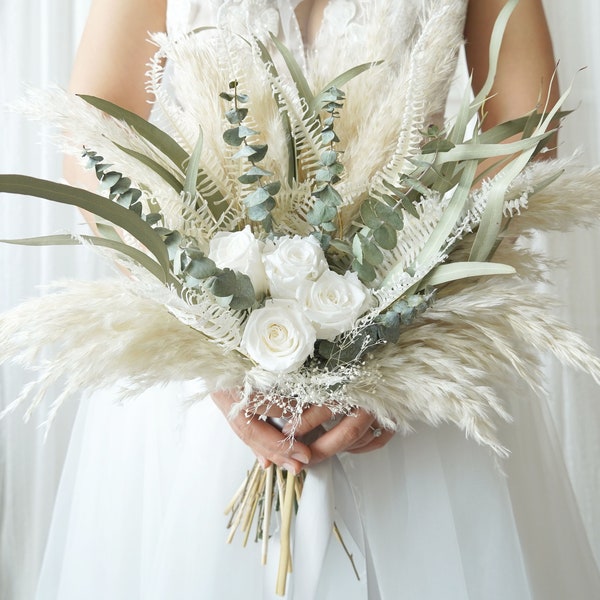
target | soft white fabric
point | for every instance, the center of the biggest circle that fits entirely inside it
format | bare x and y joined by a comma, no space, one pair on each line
39,38
37,42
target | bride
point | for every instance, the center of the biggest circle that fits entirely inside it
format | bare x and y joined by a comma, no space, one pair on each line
426,516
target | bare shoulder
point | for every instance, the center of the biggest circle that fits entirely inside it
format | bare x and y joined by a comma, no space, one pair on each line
115,49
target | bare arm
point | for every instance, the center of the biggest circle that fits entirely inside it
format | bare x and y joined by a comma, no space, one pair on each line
526,65
112,59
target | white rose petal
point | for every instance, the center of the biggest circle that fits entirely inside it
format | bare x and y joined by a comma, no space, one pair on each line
291,260
333,302
242,252
278,337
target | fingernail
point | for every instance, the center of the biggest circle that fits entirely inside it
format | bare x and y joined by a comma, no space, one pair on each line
286,428
301,458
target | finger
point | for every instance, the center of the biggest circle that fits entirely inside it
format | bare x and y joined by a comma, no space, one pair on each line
263,438
374,431
341,437
374,444
268,442
311,418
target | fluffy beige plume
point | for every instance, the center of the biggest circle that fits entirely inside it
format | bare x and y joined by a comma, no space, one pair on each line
79,125
102,334
548,210
442,365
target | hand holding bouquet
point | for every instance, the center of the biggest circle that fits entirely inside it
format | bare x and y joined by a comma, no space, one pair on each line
306,246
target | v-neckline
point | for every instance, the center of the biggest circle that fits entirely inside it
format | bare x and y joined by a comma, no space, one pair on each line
311,34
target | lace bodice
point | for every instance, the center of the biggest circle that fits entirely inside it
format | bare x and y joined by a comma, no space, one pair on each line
351,30
412,44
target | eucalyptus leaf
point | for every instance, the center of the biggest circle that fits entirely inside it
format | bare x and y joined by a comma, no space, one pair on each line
389,216
258,196
201,267
223,284
261,211
365,271
236,115
371,252
368,215
329,195
232,137
385,236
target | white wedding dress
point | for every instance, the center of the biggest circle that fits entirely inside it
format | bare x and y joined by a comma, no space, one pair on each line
139,514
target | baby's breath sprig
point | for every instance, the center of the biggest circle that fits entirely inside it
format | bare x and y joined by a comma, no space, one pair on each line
261,201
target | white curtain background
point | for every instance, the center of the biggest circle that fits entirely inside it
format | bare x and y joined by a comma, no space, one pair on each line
38,39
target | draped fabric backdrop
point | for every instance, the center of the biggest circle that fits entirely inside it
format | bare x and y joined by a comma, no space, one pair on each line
37,42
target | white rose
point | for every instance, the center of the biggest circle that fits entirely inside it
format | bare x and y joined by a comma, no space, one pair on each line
333,302
278,337
242,252
291,260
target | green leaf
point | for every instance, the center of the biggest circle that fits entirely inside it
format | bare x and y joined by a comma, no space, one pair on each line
156,136
224,283
261,211
254,174
165,174
97,205
258,196
243,296
385,236
191,173
365,271
389,216
461,270
320,213
200,267
329,157
68,240
341,80
269,64
295,71
368,215
236,115
371,252
232,137
329,195
438,145
273,187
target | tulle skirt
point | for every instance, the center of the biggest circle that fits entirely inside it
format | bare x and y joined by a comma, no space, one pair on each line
432,516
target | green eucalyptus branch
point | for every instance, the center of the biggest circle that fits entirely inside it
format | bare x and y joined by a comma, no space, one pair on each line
261,201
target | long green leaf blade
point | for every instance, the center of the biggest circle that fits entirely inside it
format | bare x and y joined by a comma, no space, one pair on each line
296,72
69,240
151,133
267,60
341,80
191,173
94,203
165,174
461,270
